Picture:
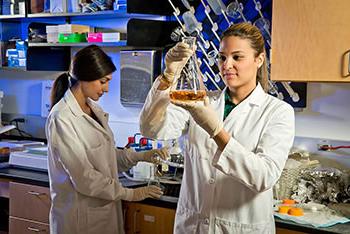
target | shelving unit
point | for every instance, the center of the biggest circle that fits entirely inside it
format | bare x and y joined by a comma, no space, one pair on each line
12,16
102,44
21,21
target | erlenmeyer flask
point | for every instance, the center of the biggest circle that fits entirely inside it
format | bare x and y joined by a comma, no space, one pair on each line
189,86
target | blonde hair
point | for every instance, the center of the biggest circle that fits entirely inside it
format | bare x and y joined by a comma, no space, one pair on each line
253,34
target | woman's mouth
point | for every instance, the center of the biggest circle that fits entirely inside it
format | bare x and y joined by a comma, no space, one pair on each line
230,75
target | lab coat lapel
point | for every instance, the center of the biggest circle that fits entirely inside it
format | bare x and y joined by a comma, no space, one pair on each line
254,99
77,111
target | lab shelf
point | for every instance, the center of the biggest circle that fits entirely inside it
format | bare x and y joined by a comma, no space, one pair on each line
106,44
108,13
13,68
12,16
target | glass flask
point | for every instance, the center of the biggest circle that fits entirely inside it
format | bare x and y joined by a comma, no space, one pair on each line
189,86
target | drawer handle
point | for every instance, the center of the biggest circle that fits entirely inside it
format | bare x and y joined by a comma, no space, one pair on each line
35,193
135,221
33,229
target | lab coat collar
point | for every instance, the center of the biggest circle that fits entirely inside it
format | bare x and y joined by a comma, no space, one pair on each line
256,98
73,104
77,111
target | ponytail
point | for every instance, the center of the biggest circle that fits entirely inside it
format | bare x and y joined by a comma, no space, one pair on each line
60,86
263,75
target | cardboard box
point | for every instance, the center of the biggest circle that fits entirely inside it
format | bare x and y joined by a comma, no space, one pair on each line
73,28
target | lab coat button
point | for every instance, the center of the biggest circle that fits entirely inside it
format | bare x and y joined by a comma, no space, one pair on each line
211,181
206,221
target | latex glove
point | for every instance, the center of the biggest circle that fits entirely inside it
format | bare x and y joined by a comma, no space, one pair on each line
142,193
154,156
175,59
203,114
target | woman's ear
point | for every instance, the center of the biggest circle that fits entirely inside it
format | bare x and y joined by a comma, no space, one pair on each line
260,59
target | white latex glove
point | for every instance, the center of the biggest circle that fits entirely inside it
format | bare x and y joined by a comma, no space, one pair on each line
203,114
154,156
175,59
142,193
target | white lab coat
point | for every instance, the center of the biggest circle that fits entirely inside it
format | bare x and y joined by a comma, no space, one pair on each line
83,164
229,191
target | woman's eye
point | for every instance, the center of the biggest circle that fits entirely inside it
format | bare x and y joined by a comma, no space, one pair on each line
103,82
221,58
236,57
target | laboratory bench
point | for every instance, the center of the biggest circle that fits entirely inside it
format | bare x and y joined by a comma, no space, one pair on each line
136,214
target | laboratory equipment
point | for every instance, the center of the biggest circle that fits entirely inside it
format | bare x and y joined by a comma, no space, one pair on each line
232,10
219,8
189,86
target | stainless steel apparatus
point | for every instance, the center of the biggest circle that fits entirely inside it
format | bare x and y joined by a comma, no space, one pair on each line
137,72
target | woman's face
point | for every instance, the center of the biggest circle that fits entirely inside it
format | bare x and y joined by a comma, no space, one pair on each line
238,64
95,89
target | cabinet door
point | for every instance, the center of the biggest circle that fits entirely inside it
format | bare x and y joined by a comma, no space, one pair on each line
22,226
140,218
310,40
30,202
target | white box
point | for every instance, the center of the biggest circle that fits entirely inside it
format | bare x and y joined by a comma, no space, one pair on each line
143,171
111,37
28,160
73,28
51,29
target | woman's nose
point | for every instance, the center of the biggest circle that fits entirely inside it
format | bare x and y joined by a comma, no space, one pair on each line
105,88
228,63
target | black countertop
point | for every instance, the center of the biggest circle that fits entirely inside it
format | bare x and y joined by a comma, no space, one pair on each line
41,178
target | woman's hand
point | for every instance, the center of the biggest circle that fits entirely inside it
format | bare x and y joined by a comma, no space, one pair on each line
203,114
154,156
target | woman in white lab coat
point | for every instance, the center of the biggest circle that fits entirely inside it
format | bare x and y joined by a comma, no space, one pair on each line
238,141
83,163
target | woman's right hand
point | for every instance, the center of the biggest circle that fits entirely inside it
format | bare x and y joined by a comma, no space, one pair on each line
142,193
175,59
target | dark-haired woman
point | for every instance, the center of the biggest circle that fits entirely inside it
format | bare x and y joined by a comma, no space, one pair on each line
83,161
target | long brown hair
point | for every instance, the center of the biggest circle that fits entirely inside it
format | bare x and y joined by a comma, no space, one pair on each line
253,34
88,64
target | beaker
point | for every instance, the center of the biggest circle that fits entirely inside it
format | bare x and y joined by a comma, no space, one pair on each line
189,86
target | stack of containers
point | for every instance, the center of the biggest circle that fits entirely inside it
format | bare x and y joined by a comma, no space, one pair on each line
17,57
103,37
72,33
52,33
